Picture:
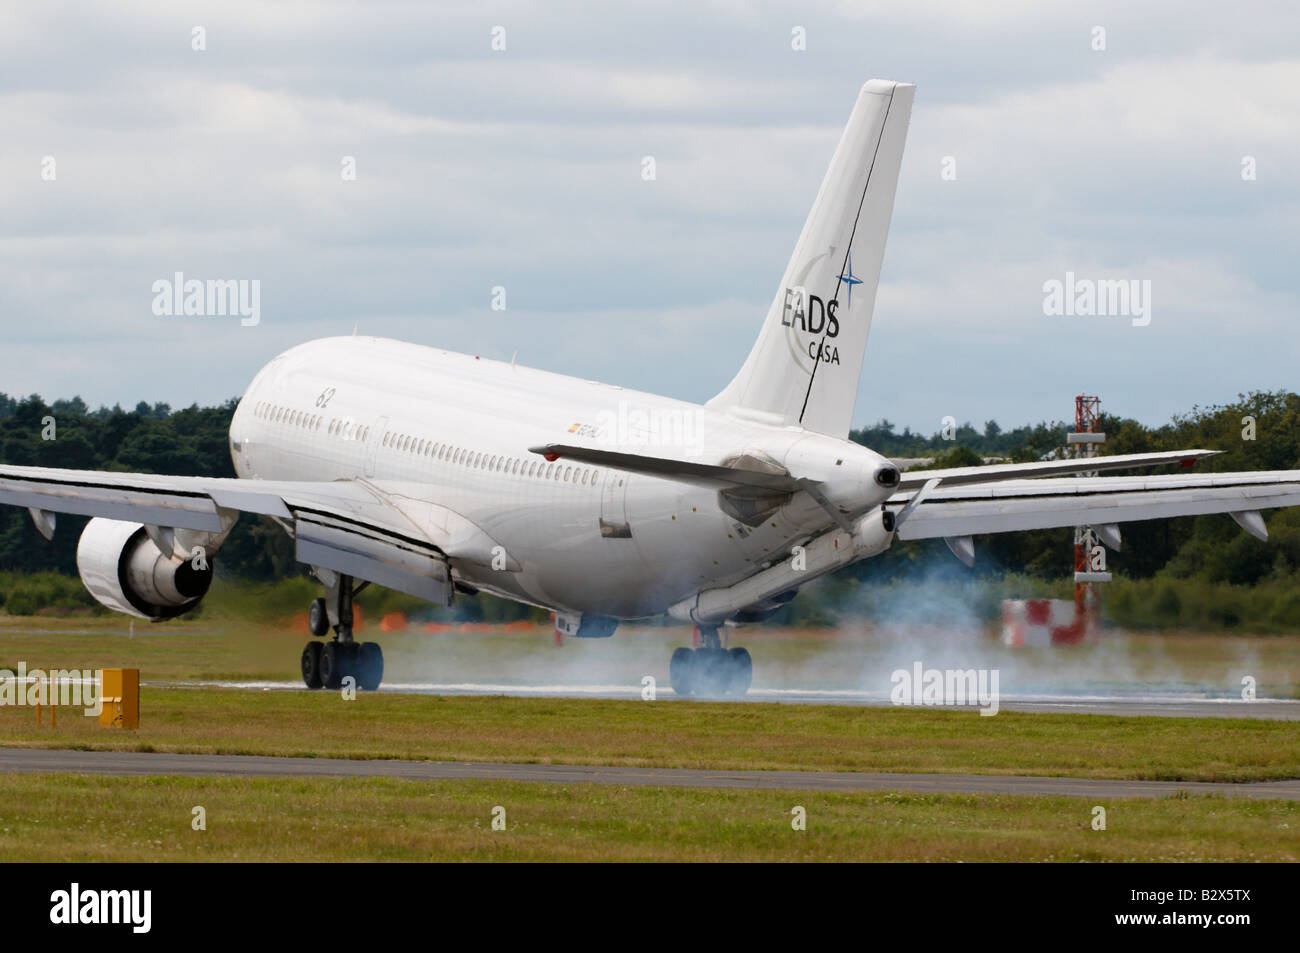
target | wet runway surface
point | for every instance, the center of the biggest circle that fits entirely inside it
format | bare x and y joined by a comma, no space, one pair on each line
1165,705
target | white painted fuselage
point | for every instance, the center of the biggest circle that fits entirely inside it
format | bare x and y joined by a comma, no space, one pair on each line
455,430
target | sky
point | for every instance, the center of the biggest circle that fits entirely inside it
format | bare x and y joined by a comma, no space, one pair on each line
1170,156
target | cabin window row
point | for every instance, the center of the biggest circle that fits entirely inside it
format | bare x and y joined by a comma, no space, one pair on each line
338,427
475,460
277,414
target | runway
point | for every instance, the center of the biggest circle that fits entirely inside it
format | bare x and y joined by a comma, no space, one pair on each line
136,764
1128,704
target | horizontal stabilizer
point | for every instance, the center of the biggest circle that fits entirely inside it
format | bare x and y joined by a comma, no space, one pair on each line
703,474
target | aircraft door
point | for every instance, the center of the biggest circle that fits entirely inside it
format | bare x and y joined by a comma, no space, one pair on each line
613,506
372,443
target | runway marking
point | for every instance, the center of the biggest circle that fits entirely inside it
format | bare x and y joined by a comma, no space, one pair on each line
137,764
1155,704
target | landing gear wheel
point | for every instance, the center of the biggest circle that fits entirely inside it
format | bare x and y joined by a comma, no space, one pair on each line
333,664
710,672
679,671
370,666
311,665
740,670
318,620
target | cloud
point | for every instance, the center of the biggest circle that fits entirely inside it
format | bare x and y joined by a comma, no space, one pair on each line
522,169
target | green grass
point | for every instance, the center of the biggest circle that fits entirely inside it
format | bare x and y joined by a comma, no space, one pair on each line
76,818
682,734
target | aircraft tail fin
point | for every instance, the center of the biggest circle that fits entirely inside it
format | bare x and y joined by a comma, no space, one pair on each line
806,364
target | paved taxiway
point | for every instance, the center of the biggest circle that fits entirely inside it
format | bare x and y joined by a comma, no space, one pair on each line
1158,704
131,763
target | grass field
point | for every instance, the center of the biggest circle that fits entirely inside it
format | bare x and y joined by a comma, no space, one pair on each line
106,818
682,734
80,818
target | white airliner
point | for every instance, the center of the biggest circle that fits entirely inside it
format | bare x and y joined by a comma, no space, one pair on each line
432,472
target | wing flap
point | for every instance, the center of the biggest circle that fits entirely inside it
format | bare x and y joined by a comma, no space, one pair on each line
382,558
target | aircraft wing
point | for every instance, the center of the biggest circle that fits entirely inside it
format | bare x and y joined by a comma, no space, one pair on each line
350,526
1014,505
957,476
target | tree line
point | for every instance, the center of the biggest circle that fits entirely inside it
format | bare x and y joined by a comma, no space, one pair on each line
1258,431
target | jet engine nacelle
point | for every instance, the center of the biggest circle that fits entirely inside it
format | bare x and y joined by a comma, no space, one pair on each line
124,570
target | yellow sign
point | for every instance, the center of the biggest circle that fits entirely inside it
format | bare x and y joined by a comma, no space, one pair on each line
121,697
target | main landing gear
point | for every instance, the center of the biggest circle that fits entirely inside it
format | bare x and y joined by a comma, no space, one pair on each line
710,670
325,665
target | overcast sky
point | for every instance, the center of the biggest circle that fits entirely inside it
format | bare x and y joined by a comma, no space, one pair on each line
522,168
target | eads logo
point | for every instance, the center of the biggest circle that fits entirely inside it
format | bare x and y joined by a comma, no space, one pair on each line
812,314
